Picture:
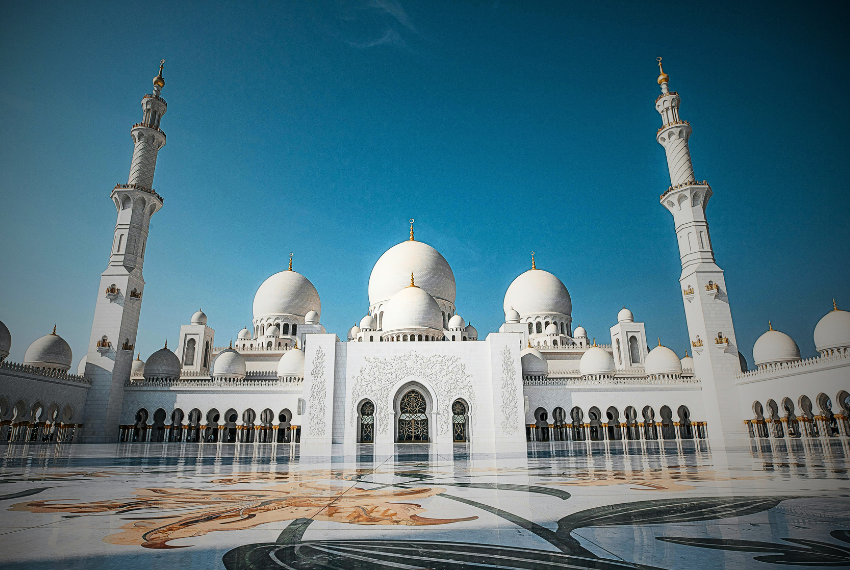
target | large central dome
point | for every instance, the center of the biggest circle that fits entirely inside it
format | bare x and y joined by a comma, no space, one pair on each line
392,272
538,292
286,293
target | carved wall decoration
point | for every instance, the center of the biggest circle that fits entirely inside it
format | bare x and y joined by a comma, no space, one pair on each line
446,374
510,404
316,412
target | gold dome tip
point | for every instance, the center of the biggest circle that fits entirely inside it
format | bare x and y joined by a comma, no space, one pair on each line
158,80
290,261
139,356
659,341
166,343
231,344
411,229
834,306
533,263
54,329
769,326
412,284
686,353
663,78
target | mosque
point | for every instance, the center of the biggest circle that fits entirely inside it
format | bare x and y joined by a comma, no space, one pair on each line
414,370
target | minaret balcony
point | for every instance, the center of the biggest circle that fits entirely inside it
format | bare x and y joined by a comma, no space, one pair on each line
149,126
688,293
139,187
687,184
135,295
672,124
113,292
157,97
127,346
712,289
721,341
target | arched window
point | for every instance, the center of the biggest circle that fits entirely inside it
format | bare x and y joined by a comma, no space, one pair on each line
294,329
285,329
619,353
562,329
530,328
634,350
539,327
413,421
459,421
207,354
367,422
189,353
262,330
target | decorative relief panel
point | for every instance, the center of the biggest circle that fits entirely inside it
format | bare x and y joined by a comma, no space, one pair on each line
509,398
446,374
316,412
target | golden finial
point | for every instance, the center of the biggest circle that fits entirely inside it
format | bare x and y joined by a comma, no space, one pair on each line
594,341
139,356
296,343
663,78
290,261
231,344
54,329
834,306
686,353
166,343
529,343
411,229
659,341
158,80
769,326
533,264
412,284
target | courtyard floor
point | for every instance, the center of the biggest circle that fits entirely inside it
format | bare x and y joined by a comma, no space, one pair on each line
649,505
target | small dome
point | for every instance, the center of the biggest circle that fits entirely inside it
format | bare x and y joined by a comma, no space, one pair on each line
533,363
367,323
833,331
291,364
162,364
579,333
229,364
49,351
662,360
551,329
774,347
273,331
5,341
353,332
596,361
412,308
625,316
199,318
511,316
244,334
81,367
311,318
538,292
456,323
471,331
687,362
138,368
287,293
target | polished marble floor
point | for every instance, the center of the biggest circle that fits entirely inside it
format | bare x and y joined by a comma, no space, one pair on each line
646,505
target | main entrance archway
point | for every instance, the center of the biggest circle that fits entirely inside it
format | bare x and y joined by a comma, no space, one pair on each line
413,417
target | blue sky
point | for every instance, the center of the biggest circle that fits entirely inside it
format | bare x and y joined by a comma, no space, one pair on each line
502,127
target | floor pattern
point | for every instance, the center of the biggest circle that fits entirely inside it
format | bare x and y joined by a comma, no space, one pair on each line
560,505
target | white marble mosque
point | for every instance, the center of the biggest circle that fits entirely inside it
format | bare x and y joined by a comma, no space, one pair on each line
414,370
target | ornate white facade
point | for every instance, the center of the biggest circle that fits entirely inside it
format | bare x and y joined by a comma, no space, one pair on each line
414,369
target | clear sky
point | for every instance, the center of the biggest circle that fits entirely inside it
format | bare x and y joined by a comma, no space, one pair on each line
502,127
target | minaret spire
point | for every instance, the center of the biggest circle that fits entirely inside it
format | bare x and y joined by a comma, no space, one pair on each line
533,264
411,229
290,261
703,284
116,313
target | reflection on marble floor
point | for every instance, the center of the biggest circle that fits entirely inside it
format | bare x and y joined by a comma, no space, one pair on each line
261,506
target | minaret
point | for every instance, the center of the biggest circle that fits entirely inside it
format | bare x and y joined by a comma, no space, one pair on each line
704,293
119,297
